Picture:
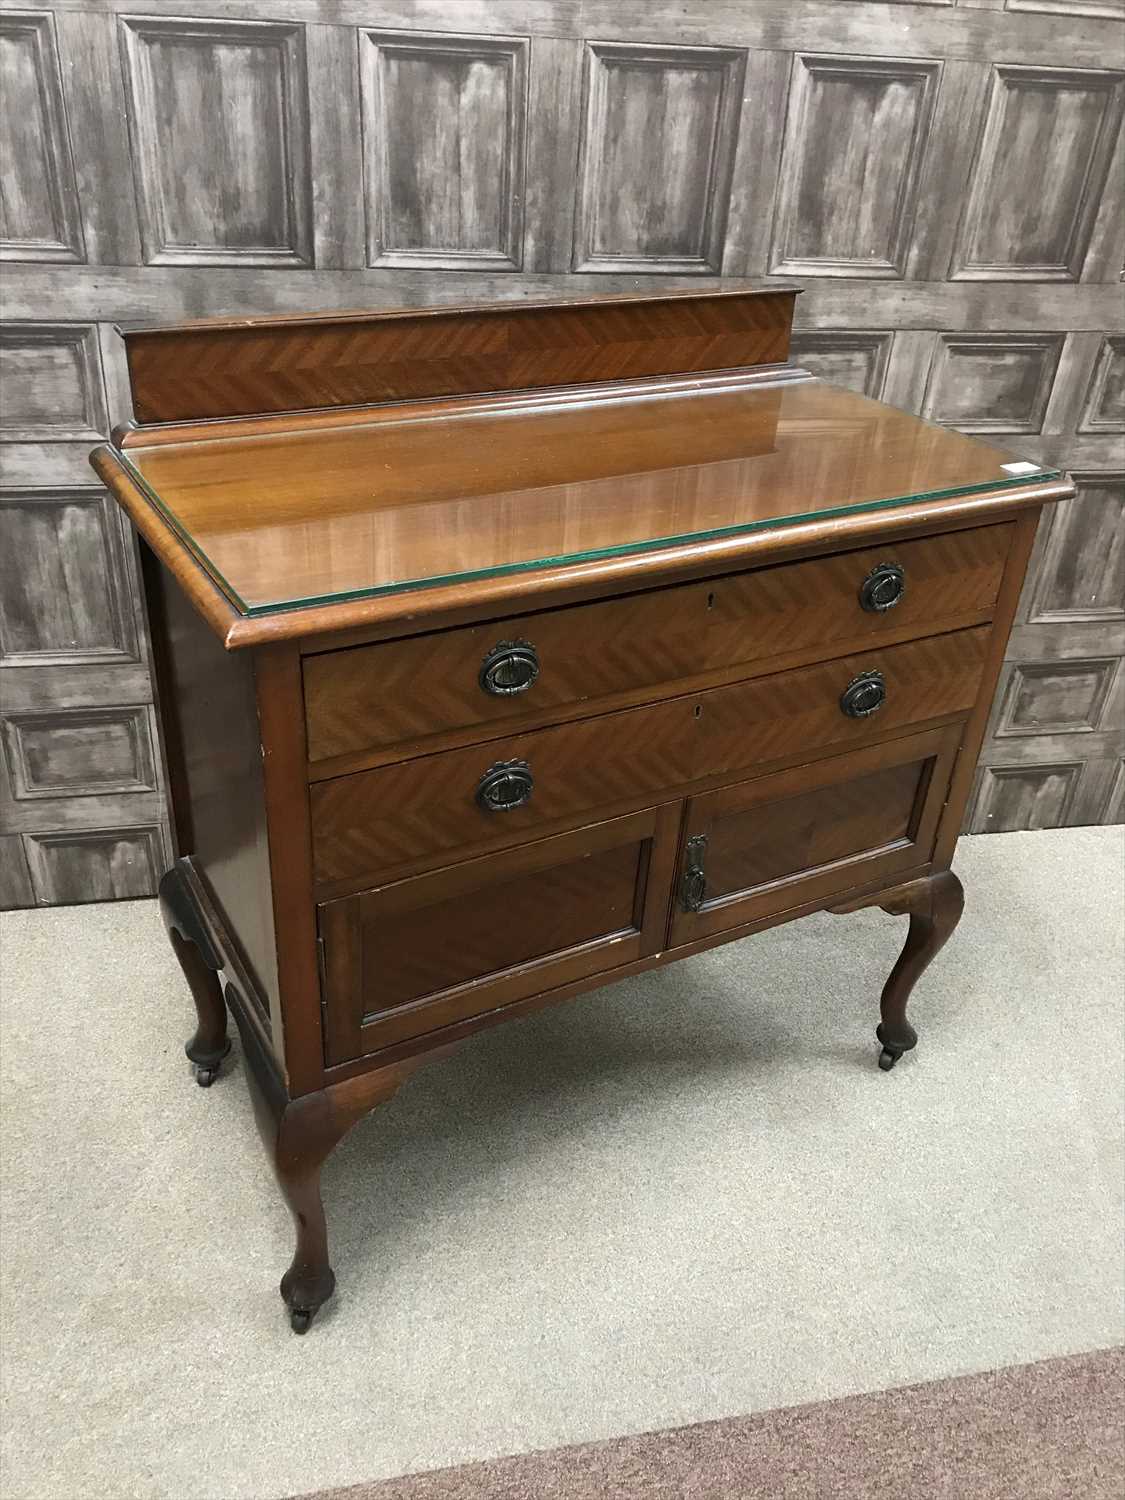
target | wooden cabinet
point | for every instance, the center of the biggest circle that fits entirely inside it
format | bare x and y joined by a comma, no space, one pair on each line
487,678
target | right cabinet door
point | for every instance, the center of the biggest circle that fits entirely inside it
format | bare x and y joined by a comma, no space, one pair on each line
759,847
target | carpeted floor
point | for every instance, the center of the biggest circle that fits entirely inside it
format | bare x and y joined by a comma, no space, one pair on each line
1048,1431
688,1197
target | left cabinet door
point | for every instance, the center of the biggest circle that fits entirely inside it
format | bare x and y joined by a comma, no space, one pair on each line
415,955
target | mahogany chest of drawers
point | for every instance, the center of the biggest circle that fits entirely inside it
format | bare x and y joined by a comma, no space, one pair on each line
502,652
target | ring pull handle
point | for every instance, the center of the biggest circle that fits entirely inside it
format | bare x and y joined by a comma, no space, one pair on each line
509,668
507,784
883,587
864,695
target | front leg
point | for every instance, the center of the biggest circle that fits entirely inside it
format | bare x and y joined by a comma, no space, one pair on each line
934,905
200,963
308,1131
299,1135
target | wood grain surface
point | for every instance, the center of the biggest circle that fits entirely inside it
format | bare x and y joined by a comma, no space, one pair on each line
424,809
256,366
387,697
303,517
406,958
803,833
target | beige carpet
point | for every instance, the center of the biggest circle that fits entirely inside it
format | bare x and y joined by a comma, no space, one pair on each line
688,1197
1049,1431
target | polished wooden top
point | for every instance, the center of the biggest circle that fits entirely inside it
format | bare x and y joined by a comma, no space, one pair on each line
405,497
356,472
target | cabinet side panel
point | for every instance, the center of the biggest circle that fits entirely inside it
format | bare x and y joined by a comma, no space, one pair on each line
210,732
1023,539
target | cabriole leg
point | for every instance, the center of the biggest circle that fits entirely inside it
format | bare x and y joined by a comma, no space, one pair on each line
934,906
308,1131
200,964
305,1140
299,1135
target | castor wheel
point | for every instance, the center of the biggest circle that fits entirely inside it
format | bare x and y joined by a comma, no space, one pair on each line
299,1319
894,1040
206,1063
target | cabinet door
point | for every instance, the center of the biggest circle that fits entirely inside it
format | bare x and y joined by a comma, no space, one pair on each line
760,847
413,955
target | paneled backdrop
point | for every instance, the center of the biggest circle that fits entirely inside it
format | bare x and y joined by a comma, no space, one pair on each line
944,179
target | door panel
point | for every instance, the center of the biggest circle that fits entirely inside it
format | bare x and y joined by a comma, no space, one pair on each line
762,846
405,958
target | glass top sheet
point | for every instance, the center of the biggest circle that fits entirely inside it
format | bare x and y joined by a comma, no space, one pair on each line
387,503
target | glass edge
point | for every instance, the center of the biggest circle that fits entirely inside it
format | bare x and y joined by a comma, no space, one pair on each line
185,536
598,554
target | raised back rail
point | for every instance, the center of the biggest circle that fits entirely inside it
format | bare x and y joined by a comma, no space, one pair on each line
257,366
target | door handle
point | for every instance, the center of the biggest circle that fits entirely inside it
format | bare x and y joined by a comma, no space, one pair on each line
693,887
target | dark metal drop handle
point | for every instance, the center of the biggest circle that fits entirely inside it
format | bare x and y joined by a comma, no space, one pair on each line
883,587
509,668
507,784
693,888
864,695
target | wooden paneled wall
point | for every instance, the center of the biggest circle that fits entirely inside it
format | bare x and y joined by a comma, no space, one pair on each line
944,178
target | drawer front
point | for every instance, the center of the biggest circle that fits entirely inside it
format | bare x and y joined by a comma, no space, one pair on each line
759,847
771,718
382,820
493,676
448,805
409,957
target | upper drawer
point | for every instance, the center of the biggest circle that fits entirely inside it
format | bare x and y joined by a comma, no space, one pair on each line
491,677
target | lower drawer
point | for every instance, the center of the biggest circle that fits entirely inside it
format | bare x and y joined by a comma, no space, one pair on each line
413,955
395,818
